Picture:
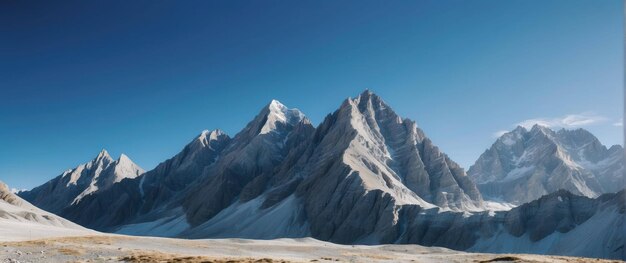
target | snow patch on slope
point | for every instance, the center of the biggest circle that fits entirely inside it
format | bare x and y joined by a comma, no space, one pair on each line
164,227
572,243
248,220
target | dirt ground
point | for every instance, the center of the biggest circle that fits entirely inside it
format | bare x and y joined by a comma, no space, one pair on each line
117,248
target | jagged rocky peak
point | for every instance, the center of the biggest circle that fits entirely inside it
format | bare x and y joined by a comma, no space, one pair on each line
125,168
103,154
98,164
206,137
393,155
276,114
272,124
511,138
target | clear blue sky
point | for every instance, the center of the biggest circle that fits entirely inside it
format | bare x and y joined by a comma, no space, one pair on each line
145,77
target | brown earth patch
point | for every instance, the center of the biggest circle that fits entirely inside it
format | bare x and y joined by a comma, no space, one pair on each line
71,251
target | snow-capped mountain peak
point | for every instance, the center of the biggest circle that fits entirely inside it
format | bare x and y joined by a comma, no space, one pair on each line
126,168
123,158
103,154
276,114
523,165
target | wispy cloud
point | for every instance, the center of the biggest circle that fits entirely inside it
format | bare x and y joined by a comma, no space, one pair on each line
498,134
15,190
567,121
619,123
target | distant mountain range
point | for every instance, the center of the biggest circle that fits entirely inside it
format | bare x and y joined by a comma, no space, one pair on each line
524,165
73,185
363,176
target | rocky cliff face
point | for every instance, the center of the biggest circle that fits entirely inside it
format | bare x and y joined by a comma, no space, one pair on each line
523,165
364,163
344,181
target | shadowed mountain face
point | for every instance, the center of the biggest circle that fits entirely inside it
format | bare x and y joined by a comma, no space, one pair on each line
343,182
363,176
152,195
523,165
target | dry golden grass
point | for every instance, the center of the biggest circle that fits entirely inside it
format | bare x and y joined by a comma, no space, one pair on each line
95,239
71,251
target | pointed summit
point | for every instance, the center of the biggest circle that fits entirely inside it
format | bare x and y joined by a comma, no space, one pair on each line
539,127
124,167
384,152
366,92
103,154
123,158
519,129
276,114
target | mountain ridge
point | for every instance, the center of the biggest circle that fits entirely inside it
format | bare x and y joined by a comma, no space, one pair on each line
74,184
364,175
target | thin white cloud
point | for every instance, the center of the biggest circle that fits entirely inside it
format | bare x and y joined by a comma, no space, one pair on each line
567,121
619,123
498,134
15,190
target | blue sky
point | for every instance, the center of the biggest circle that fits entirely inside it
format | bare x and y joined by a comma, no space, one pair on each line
144,77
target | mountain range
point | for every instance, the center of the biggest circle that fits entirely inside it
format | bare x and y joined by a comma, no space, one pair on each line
363,176
524,165
73,185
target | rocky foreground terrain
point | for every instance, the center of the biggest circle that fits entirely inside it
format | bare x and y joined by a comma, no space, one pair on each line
119,248
29,234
